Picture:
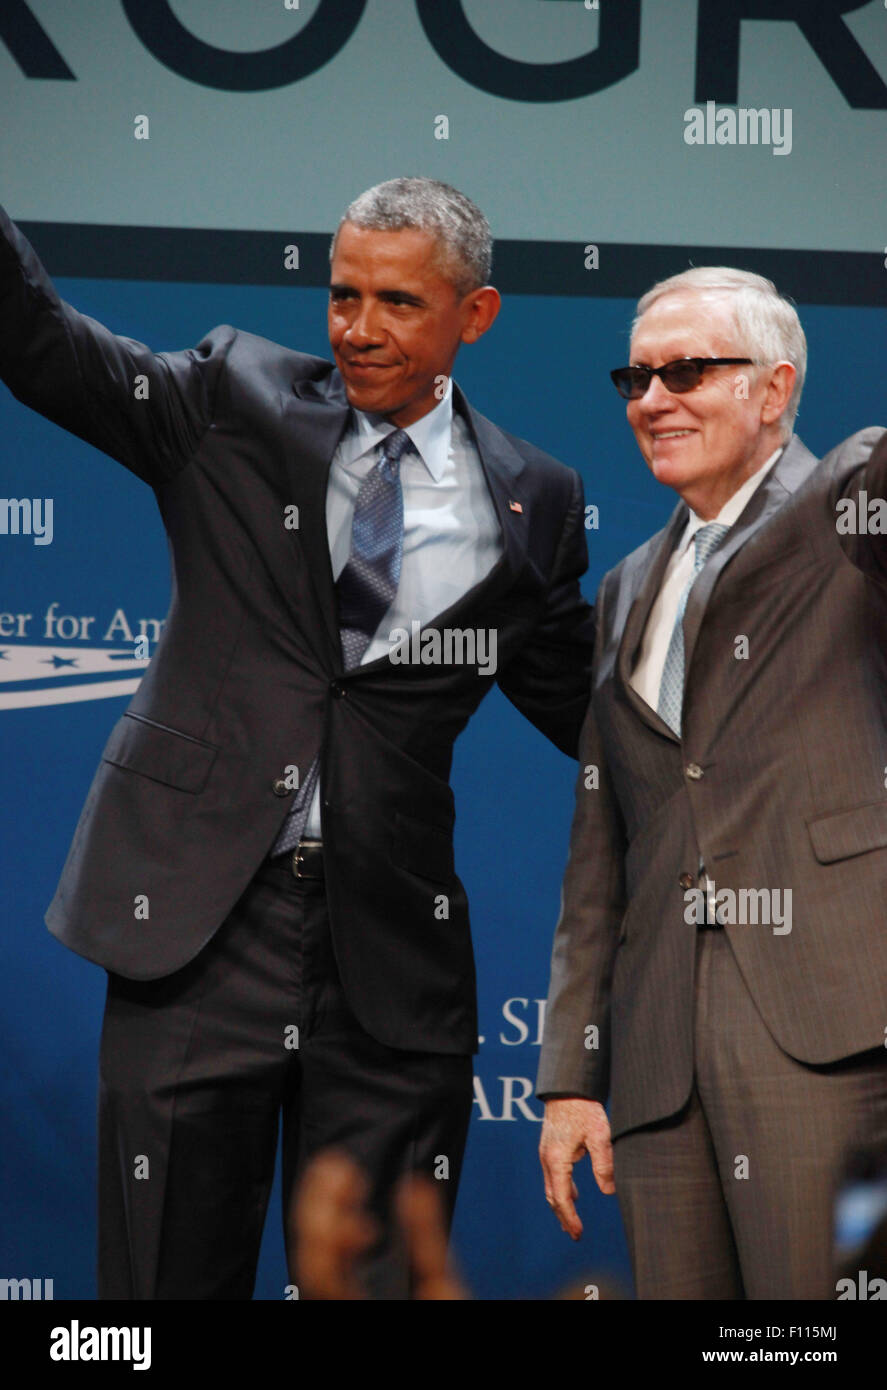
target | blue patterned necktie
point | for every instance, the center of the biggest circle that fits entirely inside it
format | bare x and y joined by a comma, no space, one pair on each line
368,583
671,688
365,590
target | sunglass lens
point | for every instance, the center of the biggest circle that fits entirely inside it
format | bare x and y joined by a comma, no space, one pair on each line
681,376
631,382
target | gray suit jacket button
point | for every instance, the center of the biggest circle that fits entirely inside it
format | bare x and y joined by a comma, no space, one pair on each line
686,881
694,771
280,788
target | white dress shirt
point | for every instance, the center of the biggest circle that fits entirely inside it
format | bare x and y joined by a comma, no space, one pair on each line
646,677
451,533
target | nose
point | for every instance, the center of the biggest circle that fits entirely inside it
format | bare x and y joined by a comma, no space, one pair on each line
364,329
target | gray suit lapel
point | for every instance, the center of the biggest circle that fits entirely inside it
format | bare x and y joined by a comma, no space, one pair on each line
787,475
792,469
646,579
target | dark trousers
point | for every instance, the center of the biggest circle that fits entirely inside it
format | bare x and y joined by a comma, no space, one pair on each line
734,1196
201,1069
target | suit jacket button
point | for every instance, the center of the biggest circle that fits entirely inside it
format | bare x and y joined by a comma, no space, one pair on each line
686,880
694,771
337,690
280,788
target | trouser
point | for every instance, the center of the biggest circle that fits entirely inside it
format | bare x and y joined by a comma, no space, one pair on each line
734,1196
200,1069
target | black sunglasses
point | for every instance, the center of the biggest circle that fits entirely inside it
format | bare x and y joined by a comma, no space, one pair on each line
678,376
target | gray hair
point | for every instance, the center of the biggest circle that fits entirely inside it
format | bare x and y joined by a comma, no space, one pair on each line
766,322
460,228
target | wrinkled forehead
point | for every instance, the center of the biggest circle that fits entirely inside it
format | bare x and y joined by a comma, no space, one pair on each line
369,248
686,323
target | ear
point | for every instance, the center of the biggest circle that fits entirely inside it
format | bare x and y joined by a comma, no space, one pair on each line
479,309
779,389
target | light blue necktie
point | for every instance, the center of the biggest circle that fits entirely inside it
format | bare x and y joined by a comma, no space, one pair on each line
671,688
365,590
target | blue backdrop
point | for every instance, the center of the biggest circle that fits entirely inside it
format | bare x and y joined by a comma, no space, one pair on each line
541,373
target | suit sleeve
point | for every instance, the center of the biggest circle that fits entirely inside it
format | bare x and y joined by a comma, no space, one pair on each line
575,1056
865,549
148,410
549,681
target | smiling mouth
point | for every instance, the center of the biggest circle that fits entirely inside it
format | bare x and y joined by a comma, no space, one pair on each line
671,434
367,366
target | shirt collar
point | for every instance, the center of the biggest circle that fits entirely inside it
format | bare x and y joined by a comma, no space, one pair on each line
430,435
735,505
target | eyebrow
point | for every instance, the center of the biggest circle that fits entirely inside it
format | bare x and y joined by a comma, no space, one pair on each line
342,291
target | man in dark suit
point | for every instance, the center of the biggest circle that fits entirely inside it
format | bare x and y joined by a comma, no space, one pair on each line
720,964
264,863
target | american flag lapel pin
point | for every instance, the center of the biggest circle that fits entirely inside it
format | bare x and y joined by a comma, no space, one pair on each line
515,507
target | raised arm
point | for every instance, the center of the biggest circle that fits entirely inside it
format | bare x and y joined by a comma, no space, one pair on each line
860,505
148,410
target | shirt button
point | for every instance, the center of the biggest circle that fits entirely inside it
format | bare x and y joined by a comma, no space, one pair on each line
279,787
686,881
338,690
694,771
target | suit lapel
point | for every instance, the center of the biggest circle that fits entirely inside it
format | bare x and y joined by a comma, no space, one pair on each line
503,469
786,475
315,416
791,470
646,581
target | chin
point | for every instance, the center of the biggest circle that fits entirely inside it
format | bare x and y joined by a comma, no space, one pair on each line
672,469
671,474
362,398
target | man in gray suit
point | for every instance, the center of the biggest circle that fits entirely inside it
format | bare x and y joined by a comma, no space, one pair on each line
720,965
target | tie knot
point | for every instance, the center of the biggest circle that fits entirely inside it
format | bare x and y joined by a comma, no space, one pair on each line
394,446
707,539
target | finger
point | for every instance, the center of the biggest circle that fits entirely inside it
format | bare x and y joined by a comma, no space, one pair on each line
560,1192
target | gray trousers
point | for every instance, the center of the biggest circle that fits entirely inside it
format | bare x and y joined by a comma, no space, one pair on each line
734,1196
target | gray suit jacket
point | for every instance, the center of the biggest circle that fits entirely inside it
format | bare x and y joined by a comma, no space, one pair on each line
778,782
